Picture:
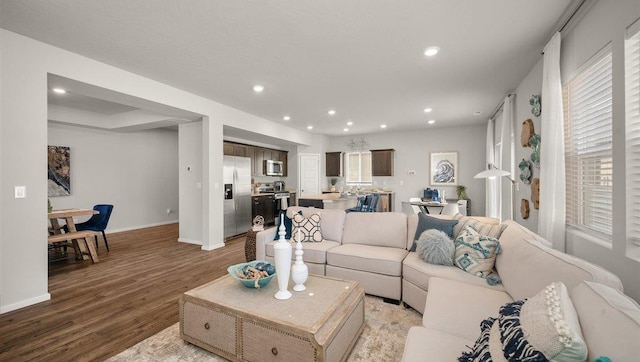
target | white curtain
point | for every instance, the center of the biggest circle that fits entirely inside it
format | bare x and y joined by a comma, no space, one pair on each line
551,219
507,161
491,197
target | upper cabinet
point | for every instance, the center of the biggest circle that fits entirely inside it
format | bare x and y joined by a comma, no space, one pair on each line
257,156
382,162
333,164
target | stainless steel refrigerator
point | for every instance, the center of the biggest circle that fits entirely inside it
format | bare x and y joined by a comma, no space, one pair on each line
237,195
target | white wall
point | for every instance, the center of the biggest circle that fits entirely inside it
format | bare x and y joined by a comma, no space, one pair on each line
530,85
412,154
137,172
606,22
23,110
190,168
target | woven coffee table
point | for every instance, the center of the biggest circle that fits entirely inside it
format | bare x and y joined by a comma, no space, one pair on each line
321,323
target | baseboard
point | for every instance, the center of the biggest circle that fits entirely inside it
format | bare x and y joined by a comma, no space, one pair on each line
109,231
214,247
189,241
24,303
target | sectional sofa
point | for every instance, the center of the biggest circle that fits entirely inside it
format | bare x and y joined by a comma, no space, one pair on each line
374,249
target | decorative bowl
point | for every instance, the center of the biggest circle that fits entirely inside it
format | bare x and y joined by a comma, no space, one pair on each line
249,283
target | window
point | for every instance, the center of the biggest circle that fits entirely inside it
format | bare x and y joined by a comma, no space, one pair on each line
358,167
632,106
588,139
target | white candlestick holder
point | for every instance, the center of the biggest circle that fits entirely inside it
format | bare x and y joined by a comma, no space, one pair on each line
299,270
282,256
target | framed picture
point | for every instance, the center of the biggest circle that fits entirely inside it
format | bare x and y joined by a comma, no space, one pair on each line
59,166
443,169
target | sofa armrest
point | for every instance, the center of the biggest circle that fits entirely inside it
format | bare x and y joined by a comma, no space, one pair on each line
262,238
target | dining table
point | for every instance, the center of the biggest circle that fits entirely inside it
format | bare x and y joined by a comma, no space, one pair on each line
68,216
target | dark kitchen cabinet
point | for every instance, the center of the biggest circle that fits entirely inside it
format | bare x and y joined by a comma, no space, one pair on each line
257,156
382,162
258,161
264,205
333,163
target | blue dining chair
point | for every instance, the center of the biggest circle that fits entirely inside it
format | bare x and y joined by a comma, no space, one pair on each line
359,206
98,222
371,205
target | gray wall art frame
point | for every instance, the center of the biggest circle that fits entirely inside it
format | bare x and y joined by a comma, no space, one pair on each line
443,168
59,171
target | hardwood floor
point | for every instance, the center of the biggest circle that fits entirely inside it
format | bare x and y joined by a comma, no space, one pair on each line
99,310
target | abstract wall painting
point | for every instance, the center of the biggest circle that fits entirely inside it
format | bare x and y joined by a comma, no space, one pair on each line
443,169
59,165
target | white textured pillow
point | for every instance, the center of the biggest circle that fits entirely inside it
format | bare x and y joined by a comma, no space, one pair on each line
309,228
544,327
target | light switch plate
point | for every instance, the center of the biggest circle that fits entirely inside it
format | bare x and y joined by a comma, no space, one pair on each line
20,192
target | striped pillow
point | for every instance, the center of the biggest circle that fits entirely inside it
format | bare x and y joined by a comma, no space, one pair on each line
483,229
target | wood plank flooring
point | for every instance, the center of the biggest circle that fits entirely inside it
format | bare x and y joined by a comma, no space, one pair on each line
99,310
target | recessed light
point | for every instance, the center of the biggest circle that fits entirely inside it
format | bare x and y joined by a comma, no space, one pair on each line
286,118
432,121
383,126
59,90
331,112
309,127
349,123
345,129
258,88
427,110
431,51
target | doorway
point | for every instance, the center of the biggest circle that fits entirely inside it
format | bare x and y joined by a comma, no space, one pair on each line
309,175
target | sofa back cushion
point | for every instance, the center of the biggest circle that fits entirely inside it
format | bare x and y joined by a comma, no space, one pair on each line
376,228
526,265
331,220
610,321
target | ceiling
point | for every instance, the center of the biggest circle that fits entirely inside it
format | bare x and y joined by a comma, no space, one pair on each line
364,59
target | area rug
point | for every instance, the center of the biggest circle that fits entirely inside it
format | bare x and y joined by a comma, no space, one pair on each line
382,339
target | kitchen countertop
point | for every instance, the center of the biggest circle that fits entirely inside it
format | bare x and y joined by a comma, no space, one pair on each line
270,193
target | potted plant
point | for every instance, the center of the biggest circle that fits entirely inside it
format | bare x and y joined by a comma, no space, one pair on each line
461,190
333,181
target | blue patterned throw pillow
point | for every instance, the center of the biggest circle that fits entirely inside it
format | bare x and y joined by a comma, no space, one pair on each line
542,328
476,254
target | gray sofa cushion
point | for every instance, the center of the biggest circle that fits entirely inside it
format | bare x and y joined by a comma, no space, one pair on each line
466,306
375,229
374,259
610,321
313,252
526,259
418,272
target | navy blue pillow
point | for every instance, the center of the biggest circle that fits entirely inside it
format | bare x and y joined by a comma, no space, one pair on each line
288,224
427,222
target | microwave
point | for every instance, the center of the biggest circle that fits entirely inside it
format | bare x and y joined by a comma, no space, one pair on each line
273,168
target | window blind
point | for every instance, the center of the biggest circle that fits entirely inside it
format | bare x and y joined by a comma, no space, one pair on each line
632,106
588,139
358,167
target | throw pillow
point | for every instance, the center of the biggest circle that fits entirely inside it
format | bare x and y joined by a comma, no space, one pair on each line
435,247
308,228
542,328
493,231
427,222
476,254
287,224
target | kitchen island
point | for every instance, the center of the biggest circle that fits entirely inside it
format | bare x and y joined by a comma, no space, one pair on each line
329,201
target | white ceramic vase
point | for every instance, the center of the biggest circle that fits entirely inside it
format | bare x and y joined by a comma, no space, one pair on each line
282,256
299,270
